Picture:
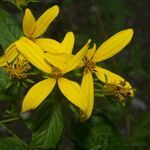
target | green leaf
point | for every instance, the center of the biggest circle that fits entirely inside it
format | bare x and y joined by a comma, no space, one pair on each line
10,143
9,30
7,90
50,130
4,83
98,134
4,80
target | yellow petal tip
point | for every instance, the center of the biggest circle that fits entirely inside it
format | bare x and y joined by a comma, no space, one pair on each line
89,41
56,8
130,31
23,110
27,9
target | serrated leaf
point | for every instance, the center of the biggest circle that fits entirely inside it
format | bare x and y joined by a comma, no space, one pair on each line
98,134
9,30
10,143
49,132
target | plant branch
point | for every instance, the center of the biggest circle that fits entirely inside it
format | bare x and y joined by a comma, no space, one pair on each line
13,134
8,120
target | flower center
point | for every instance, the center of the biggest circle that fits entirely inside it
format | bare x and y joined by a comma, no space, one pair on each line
89,64
119,90
56,73
18,69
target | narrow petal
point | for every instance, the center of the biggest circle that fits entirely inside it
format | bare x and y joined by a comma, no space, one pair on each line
37,94
113,45
58,60
44,21
73,92
49,45
28,23
33,53
75,61
9,55
90,53
88,91
107,76
68,43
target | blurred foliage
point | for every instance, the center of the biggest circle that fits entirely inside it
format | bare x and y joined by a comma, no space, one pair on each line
20,3
9,143
9,29
112,126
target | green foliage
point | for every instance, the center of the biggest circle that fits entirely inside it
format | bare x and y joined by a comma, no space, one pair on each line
5,86
10,143
4,80
21,3
9,30
98,133
49,126
7,90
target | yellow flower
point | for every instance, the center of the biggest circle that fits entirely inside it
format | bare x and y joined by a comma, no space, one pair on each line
53,46
56,66
108,49
32,29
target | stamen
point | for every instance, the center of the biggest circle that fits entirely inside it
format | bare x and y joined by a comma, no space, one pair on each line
89,64
18,68
56,72
119,90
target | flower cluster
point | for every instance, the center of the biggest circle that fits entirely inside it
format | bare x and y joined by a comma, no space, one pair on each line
55,59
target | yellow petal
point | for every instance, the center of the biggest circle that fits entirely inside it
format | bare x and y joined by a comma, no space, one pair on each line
28,23
107,76
49,45
33,53
72,91
9,55
113,45
75,61
90,53
37,94
68,43
58,60
44,21
88,91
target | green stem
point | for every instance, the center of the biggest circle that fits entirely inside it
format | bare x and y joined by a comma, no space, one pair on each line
13,134
8,120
